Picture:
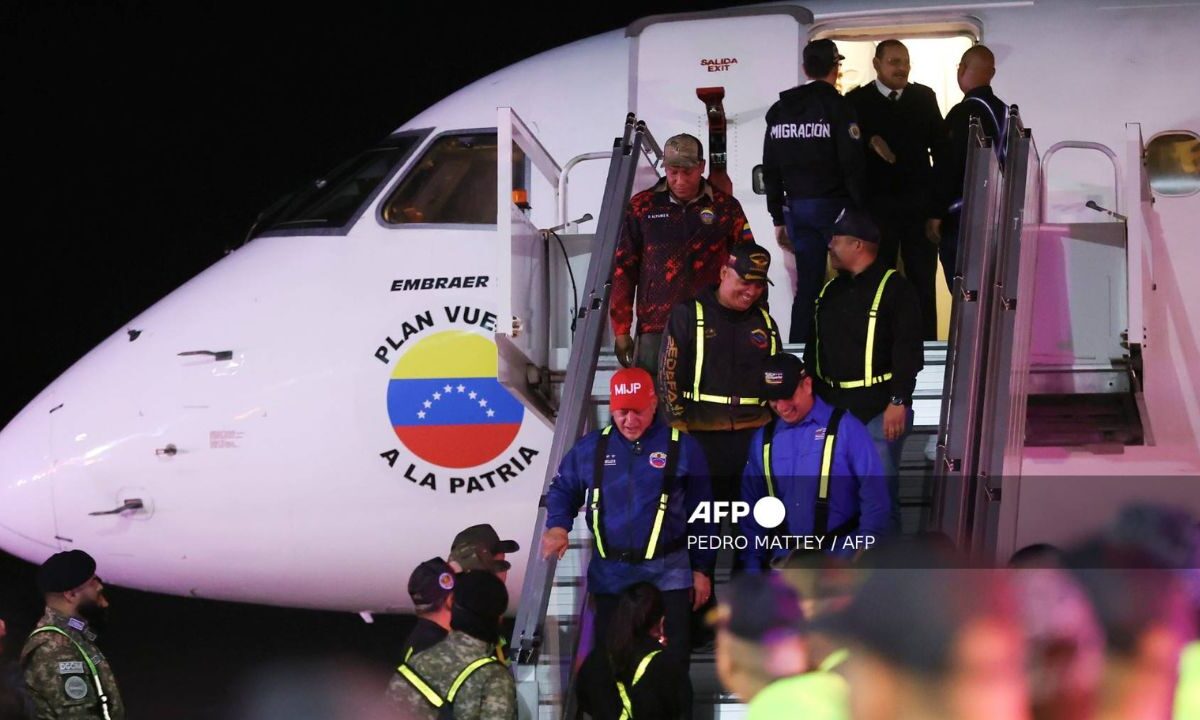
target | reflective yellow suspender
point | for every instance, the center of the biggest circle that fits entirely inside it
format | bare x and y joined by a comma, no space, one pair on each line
664,496
626,704
869,379
821,516
695,393
432,695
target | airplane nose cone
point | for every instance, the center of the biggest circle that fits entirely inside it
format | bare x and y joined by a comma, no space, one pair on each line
27,526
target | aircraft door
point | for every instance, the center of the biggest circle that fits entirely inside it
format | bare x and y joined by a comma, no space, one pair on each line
523,283
753,54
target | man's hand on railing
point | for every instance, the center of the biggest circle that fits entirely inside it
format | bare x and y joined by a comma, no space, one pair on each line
554,542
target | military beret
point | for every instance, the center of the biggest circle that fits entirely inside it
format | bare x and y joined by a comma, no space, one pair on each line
65,571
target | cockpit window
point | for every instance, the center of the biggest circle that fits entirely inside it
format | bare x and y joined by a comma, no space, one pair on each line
336,199
1173,164
453,182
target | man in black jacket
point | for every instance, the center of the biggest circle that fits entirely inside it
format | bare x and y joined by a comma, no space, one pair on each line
975,72
901,123
865,350
812,154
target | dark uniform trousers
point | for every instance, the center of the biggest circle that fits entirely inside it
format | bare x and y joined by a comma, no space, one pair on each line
810,228
903,236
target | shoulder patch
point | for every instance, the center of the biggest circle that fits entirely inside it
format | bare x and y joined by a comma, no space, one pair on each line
75,687
854,131
72,667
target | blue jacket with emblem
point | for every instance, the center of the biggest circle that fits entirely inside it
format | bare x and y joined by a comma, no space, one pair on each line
857,485
634,480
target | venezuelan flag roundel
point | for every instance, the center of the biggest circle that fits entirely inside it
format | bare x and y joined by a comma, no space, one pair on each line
445,402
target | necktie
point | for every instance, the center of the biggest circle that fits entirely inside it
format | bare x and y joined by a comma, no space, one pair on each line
893,95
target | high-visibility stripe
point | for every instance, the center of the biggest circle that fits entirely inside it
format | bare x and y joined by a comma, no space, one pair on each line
626,704
466,673
722,399
596,521
432,695
826,458
869,378
658,521
422,687
641,668
872,317
849,384
766,461
695,394
699,350
87,661
408,654
826,463
770,325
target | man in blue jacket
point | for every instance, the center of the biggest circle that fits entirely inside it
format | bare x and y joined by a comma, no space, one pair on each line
820,462
641,480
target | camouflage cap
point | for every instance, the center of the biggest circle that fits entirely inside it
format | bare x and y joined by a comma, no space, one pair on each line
476,547
682,150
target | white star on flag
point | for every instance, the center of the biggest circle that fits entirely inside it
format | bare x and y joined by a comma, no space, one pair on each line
491,412
447,388
421,414
428,404
483,403
472,394
437,396
461,388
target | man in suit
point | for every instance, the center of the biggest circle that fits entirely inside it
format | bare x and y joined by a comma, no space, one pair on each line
900,122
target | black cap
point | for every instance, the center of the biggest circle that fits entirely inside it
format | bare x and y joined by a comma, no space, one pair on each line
782,374
479,593
856,223
475,548
431,582
760,608
65,571
821,55
750,261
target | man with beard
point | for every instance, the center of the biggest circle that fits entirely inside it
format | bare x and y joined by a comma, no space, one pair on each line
66,674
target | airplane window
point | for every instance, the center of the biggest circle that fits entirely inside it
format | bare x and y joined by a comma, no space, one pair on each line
454,182
336,198
1173,164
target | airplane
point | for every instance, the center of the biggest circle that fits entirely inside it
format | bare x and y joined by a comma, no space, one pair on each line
326,406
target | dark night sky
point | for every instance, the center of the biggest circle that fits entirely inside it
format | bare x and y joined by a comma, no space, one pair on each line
141,139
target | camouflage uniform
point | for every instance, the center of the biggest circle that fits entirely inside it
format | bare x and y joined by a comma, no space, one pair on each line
488,694
58,678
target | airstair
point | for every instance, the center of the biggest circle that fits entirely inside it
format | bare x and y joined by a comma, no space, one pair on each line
1044,348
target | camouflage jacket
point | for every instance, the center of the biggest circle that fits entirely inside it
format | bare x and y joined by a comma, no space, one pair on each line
488,694
58,678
